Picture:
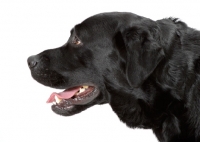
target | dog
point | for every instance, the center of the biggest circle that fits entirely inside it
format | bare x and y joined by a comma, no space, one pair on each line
147,71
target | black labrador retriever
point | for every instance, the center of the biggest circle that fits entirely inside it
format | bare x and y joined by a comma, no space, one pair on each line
148,71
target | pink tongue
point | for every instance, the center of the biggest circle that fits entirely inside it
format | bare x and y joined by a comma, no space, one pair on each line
63,95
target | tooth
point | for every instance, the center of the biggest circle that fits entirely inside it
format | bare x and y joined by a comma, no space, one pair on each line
85,87
81,90
58,100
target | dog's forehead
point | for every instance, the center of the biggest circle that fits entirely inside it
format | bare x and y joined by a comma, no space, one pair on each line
98,23
108,22
93,29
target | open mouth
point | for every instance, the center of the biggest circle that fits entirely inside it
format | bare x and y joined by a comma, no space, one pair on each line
79,95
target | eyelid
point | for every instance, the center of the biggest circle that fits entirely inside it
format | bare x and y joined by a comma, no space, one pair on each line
76,40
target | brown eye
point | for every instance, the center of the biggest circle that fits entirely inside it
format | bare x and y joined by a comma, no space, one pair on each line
76,41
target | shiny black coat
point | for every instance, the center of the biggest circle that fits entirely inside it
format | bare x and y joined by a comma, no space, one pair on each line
148,71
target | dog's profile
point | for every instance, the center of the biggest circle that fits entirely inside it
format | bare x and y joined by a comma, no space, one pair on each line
148,71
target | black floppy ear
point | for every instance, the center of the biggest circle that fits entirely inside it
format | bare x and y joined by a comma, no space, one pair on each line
143,54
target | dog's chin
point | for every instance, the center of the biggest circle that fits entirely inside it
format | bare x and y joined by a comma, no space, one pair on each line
69,111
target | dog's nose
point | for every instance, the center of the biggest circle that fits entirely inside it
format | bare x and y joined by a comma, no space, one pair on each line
32,62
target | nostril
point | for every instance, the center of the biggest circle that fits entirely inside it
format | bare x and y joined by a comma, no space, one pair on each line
32,61
32,64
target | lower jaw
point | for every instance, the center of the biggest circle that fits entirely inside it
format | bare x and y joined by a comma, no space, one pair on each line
69,111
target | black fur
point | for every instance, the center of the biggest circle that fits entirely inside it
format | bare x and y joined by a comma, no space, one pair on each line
148,71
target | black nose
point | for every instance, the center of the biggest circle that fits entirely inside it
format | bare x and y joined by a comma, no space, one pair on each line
32,62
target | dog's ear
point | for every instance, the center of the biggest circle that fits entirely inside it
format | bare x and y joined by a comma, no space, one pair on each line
143,53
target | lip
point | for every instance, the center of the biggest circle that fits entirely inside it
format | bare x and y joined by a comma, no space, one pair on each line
67,104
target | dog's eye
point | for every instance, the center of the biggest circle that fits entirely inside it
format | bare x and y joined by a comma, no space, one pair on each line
76,41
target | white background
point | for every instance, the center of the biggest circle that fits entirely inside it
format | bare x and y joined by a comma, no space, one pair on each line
29,27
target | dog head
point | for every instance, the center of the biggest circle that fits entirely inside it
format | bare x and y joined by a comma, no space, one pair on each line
122,48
